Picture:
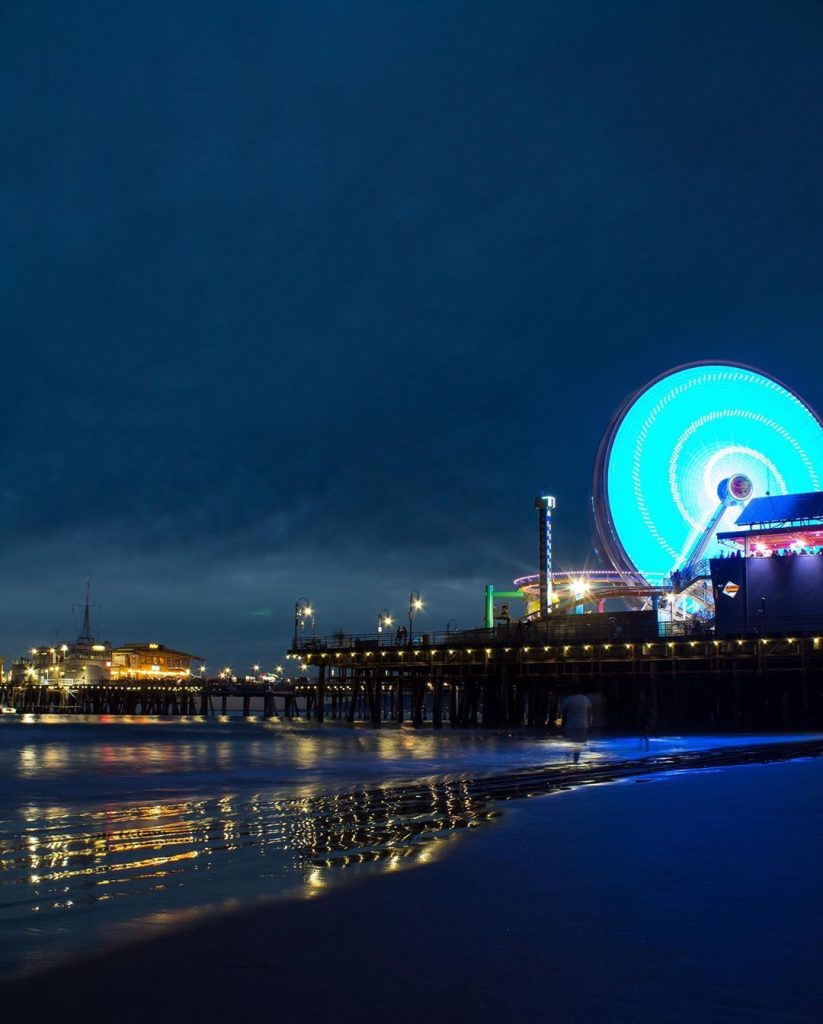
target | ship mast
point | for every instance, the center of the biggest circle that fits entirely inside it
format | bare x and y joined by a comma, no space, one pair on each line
86,634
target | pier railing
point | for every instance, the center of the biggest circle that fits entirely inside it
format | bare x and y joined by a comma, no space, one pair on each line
558,629
637,627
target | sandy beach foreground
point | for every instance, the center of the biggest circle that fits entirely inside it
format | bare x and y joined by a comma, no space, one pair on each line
680,897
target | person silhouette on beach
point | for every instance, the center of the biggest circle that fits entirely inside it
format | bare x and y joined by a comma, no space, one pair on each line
576,720
646,715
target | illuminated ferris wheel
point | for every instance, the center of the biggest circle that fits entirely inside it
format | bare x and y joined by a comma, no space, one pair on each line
684,453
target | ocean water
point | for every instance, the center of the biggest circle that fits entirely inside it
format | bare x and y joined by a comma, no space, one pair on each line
113,829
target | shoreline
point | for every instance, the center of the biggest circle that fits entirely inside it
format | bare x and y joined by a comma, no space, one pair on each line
383,920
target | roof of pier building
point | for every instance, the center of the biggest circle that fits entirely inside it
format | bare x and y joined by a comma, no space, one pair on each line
154,650
783,510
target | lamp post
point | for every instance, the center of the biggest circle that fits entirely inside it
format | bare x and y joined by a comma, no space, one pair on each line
415,604
383,619
302,609
451,625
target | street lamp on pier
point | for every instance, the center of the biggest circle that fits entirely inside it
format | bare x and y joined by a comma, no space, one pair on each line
383,619
415,604
302,611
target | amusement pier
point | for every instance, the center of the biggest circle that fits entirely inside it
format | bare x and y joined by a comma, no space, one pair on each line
705,612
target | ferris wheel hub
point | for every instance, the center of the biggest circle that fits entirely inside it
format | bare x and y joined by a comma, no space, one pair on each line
734,490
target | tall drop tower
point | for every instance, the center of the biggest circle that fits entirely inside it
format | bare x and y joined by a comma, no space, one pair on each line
544,505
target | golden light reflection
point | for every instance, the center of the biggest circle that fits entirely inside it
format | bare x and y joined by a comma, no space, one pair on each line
69,858
176,853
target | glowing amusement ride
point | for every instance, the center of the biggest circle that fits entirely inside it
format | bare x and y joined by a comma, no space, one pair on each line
678,461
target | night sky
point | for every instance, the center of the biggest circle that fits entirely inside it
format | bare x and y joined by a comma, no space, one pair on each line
310,299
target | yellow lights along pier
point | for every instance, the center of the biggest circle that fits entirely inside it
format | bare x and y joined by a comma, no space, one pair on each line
489,678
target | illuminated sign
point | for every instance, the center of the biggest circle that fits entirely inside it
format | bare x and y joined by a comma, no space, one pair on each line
671,446
731,589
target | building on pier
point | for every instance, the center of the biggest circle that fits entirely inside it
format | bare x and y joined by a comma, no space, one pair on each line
88,661
151,661
771,579
83,661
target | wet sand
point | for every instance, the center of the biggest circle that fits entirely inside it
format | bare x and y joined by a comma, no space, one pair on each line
681,897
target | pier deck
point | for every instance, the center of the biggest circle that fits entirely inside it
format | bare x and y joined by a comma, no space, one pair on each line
508,677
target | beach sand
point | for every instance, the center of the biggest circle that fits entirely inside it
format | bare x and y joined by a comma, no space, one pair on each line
686,897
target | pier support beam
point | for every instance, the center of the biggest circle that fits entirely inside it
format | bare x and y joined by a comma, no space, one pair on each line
320,707
437,700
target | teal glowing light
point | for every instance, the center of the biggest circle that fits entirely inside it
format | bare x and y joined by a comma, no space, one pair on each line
673,443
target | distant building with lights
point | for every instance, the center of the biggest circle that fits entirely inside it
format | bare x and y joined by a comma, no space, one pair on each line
150,661
87,661
81,662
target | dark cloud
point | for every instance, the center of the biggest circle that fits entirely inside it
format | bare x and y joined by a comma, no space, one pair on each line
314,296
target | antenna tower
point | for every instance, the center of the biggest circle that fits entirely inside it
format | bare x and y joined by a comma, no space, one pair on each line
86,635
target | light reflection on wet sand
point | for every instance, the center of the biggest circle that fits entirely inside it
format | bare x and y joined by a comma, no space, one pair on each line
68,860
109,828
76,872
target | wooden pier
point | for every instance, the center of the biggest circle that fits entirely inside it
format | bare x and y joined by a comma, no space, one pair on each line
506,678
195,697
510,676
